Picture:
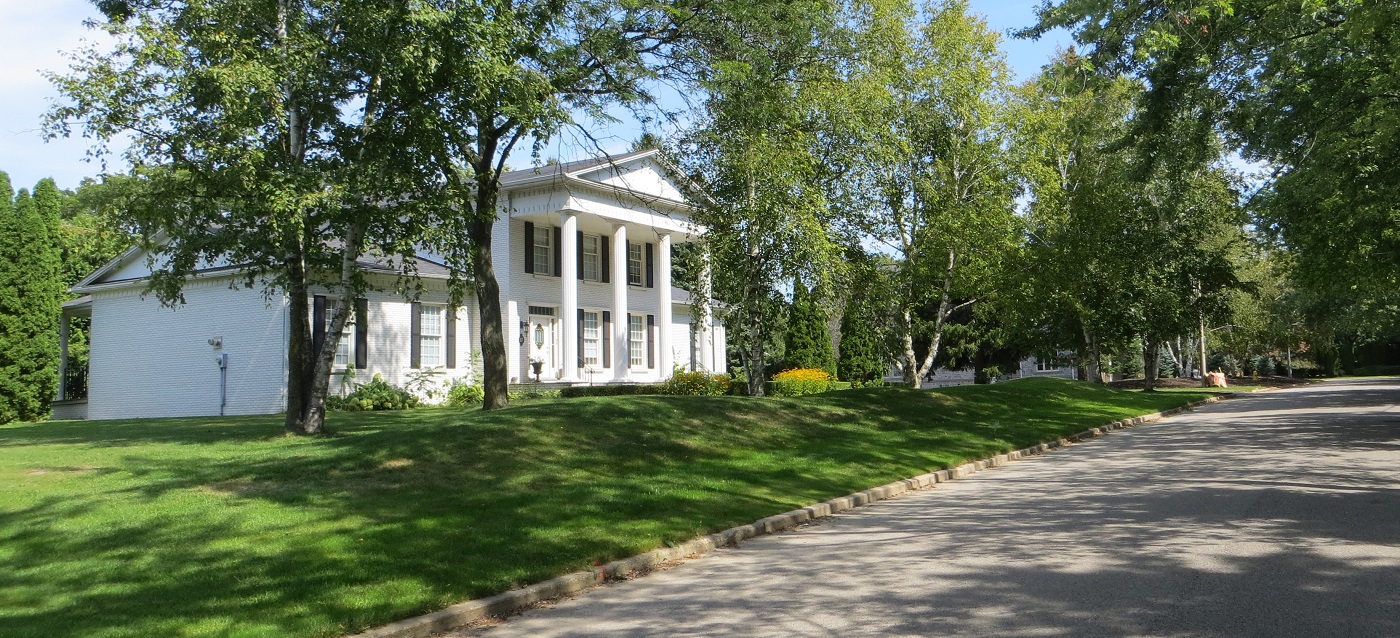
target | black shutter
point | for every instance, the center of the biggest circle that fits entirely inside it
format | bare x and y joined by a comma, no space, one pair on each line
450,339
580,339
580,255
529,248
603,259
415,336
318,323
558,249
361,333
607,339
651,341
650,267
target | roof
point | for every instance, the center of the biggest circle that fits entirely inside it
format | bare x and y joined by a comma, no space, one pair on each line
551,171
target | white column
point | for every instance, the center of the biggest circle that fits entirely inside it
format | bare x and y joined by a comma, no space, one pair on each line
620,328
568,296
705,339
663,302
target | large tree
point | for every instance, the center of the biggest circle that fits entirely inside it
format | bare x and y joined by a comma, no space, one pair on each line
936,177
1308,88
754,148
254,140
484,78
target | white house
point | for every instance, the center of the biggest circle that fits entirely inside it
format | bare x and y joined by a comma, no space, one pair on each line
582,254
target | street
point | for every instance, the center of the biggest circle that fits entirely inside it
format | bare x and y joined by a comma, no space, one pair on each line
1274,514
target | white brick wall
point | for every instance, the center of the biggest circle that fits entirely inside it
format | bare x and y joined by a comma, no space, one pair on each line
151,361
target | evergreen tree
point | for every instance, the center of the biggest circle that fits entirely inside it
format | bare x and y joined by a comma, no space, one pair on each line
861,343
808,339
30,295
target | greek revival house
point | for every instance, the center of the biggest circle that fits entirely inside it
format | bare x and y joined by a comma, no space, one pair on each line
582,255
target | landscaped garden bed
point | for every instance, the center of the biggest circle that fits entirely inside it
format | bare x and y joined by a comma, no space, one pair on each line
226,527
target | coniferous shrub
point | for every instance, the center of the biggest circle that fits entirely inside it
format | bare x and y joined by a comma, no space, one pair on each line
31,292
861,362
808,343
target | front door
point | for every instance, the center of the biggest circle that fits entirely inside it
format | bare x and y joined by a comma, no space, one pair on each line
544,346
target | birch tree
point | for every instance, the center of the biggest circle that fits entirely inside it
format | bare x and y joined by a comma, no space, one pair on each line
939,174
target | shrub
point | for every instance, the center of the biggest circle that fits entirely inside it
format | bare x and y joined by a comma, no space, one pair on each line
375,395
696,383
613,390
527,395
465,395
792,383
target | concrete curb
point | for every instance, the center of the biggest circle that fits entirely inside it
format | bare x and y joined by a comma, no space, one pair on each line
518,600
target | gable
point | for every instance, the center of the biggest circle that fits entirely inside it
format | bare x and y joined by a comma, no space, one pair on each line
643,175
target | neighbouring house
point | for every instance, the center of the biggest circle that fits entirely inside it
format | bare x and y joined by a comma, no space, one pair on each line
582,254
1035,366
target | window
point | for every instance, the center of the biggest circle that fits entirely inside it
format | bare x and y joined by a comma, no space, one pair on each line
634,263
636,341
1047,364
342,349
592,258
592,340
430,332
543,253
543,311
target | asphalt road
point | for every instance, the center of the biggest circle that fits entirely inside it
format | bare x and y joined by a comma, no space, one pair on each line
1272,515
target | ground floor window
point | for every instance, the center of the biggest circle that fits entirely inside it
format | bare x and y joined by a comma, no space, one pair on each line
342,349
1046,364
592,339
430,333
636,341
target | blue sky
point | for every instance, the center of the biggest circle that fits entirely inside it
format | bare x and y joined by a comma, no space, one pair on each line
33,33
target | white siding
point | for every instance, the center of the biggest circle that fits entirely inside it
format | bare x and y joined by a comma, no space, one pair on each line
390,342
151,361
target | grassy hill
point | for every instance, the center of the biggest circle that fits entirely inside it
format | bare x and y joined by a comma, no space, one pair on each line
225,527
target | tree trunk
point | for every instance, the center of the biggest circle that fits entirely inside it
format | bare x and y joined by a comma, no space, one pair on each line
910,363
298,351
1093,364
1202,351
494,364
1151,361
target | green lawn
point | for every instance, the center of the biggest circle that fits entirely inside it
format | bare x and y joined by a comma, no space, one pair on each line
225,527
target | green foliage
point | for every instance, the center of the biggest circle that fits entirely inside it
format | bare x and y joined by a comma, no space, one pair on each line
534,395
612,390
800,381
808,343
465,395
378,394
757,149
862,346
696,384
935,182
30,294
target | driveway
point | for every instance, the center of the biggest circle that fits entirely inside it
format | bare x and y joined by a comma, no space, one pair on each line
1276,514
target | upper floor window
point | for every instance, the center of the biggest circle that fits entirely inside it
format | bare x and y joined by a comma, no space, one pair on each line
592,258
543,239
634,263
